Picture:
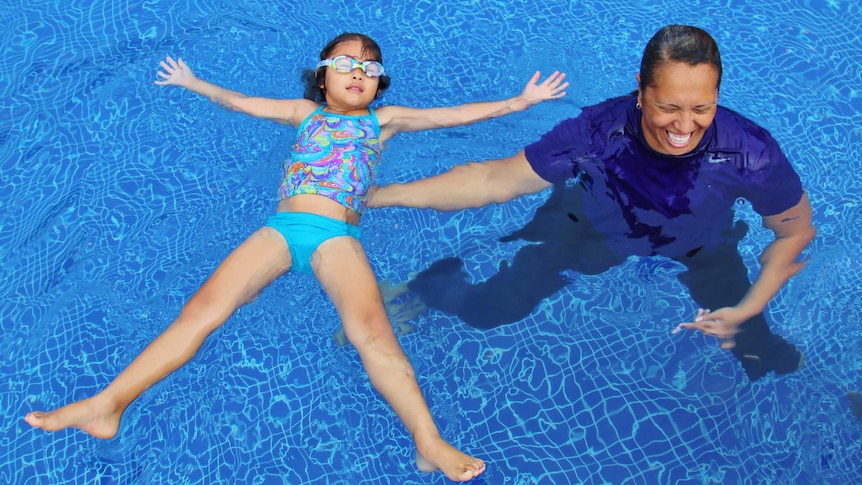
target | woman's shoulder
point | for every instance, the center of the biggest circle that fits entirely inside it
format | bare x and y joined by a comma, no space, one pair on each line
752,145
735,128
610,113
609,116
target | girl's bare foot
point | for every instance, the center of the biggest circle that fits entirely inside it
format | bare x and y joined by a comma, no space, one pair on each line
437,455
88,415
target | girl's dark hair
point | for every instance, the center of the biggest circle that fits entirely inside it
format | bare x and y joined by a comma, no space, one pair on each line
313,78
678,43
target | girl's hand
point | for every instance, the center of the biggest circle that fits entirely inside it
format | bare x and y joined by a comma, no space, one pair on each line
551,88
175,73
722,324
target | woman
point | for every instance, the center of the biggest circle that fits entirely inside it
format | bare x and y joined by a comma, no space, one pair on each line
659,173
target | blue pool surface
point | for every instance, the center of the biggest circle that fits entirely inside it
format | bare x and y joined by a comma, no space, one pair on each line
119,197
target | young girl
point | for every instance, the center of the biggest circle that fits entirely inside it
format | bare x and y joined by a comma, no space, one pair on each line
326,181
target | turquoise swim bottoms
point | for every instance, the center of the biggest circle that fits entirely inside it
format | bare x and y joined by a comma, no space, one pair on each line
304,232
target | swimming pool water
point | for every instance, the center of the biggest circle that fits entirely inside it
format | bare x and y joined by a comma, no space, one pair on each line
119,197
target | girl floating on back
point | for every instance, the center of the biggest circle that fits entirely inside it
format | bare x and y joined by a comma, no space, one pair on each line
315,229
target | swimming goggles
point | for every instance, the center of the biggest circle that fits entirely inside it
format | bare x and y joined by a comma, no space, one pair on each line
345,64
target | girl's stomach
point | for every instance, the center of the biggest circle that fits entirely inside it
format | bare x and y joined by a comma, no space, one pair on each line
320,205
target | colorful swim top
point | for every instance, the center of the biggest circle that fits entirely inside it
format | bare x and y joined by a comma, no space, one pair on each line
335,156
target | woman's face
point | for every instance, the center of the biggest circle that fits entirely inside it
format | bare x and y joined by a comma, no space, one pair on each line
679,106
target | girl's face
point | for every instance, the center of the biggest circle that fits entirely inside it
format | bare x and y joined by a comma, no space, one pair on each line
679,107
354,90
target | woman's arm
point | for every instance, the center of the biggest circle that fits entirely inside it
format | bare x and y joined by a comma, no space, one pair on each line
395,119
464,186
288,111
778,263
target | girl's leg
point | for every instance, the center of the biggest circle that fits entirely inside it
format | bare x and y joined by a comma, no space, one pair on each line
249,268
345,273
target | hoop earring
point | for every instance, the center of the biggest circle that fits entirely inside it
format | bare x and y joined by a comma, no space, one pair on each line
637,104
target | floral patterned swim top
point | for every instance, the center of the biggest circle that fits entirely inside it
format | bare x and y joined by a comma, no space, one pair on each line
334,155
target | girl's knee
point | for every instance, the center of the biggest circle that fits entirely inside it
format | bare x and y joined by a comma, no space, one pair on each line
204,312
372,333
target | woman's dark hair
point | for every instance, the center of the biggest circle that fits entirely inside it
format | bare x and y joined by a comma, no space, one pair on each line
678,43
313,78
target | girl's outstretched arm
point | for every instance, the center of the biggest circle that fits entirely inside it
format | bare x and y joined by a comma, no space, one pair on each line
394,119
288,111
